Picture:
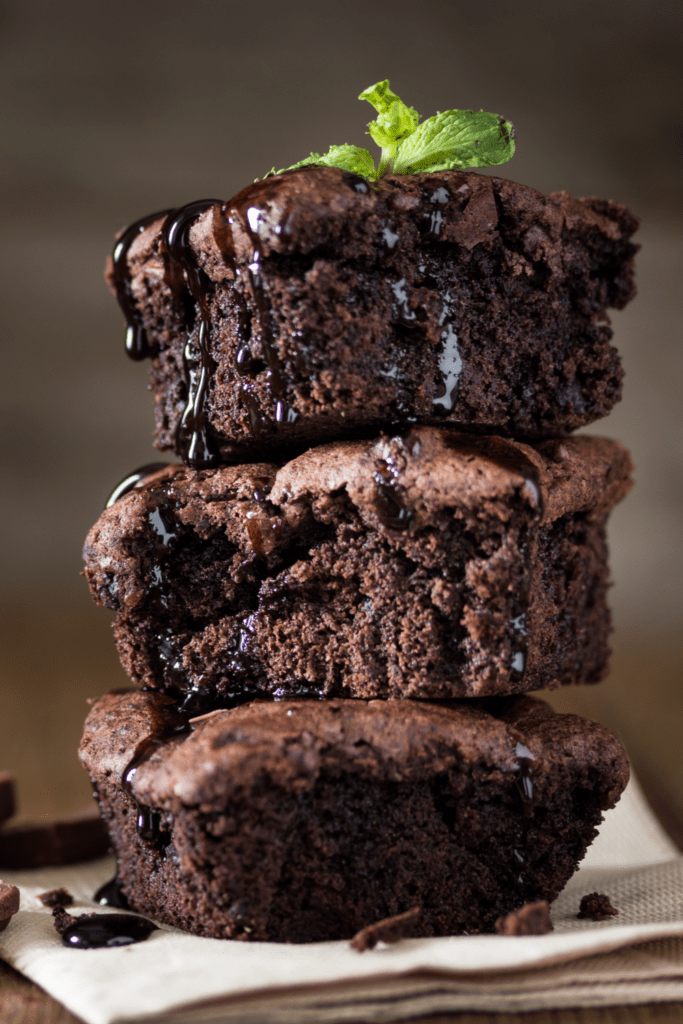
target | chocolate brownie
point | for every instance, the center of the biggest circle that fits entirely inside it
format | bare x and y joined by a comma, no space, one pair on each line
433,564
315,307
303,820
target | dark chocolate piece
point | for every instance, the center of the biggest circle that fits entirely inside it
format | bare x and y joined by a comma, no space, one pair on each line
56,898
531,919
307,309
391,929
431,564
7,796
9,903
79,836
597,907
302,820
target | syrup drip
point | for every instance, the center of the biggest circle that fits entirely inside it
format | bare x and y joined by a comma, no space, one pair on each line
148,820
523,780
137,345
111,894
389,236
434,219
247,208
450,361
404,314
97,931
194,442
389,506
133,480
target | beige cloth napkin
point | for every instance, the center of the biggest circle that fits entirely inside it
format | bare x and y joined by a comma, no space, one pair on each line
635,957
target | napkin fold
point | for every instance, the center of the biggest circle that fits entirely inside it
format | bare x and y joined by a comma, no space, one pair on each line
175,977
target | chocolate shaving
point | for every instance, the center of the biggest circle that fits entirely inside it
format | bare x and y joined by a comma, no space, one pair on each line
596,907
531,919
390,929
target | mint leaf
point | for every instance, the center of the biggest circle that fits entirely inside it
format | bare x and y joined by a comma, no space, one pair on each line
349,158
454,140
450,141
396,121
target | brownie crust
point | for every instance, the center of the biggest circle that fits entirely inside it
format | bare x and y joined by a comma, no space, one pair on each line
431,565
321,308
302,820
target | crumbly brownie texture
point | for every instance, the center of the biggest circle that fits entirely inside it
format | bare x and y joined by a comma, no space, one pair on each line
431,565
303,820
597,907
332,308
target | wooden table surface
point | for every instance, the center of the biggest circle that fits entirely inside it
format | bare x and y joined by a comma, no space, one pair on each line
46,675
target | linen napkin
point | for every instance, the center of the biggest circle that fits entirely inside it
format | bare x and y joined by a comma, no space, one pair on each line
175,977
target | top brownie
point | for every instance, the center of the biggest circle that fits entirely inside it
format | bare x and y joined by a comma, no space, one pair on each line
314,306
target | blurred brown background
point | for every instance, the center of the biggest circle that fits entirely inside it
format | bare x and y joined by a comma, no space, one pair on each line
113,110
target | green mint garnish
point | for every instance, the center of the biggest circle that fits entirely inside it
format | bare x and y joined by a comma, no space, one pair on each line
450,141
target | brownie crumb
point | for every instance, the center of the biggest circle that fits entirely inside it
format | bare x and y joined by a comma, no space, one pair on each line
531,919
56,898
596,907
62,919
391,929
9,903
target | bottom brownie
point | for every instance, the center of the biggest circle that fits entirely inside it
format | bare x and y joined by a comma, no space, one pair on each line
303,820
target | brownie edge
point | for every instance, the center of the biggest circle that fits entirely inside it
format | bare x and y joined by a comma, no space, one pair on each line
432,564
303,820
329,309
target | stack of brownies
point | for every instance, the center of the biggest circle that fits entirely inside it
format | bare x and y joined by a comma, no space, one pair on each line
381,536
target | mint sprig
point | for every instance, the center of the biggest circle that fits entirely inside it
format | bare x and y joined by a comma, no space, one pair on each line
449,141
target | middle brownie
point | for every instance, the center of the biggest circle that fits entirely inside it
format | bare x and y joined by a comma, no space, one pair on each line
433,564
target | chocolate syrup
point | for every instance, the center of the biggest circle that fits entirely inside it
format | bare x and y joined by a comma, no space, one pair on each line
434,219
523,780
111,894
133,480
246,208
137,346
450,361
96,931
194,441
148,820
389,236
403,313
388,501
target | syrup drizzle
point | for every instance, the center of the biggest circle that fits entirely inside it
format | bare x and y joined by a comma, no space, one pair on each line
523,780
194,441
134,480
137,345
388,501
148,820
247,209
450,360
